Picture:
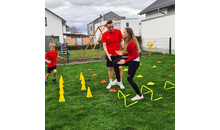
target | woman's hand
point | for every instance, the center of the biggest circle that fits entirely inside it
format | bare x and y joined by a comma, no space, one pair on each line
119,52
121,62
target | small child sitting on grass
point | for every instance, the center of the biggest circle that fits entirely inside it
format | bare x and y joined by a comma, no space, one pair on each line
52,62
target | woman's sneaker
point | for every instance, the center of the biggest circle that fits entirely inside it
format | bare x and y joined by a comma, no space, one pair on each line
115,82
137,97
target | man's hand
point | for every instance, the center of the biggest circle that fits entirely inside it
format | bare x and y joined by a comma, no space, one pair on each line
109,57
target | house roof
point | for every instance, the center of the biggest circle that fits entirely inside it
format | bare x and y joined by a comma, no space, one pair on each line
157,4
63,20
105,19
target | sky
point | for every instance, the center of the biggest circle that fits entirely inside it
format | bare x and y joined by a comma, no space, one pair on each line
79,13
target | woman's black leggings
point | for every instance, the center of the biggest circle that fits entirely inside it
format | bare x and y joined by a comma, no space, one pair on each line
132,68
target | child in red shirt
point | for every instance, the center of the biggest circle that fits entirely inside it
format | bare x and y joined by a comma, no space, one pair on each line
52,62
132,48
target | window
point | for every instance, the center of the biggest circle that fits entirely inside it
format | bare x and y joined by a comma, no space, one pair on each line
91,28
45,21
127,24
117,24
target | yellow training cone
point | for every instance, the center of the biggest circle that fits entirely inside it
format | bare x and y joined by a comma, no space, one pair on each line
61,79
80,78
154,67
60,84
83,87
125,69
89,94
83,80
139,76
140,63
61,98
61,91
150,83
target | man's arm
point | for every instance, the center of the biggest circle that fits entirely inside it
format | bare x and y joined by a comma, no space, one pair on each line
106,51
122,43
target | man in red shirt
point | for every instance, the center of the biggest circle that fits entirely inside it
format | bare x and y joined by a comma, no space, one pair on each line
110,40
52,62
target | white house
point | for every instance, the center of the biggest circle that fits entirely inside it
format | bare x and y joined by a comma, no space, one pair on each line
55,26
159,25
132,23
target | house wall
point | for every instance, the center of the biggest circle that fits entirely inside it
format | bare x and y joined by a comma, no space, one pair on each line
155,13
159,28
133,23
54,26
98,31
90,31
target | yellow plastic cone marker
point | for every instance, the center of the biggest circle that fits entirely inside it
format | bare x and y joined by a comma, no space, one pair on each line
154,67
140,63
125,69
61,79
83,87
61,85
61,91
61,98
80,78
83,80
89,94
139,76
150,83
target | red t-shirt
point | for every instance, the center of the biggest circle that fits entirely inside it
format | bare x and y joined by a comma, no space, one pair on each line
132,52
112,41
52,56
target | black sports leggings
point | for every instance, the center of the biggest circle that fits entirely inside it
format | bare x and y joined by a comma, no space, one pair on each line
132,68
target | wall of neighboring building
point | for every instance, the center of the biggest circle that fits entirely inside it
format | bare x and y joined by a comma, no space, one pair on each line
159,28
54,26
155,13
90,29
98,31
133,23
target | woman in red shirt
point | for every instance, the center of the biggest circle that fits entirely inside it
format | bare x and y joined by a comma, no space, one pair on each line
131,47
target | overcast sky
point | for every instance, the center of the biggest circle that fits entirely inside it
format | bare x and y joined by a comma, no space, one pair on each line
79,13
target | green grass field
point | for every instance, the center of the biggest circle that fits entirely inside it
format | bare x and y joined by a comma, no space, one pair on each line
104,111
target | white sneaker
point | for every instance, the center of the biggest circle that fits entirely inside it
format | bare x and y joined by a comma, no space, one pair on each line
115,82
137,97
122,86
109,86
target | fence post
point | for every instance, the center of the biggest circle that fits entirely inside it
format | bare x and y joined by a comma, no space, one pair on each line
170,45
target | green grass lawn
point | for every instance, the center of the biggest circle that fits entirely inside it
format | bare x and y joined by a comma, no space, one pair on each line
104,111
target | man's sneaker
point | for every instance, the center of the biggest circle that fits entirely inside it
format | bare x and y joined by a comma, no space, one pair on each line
137,97
54,80
109,86
115,82
122,86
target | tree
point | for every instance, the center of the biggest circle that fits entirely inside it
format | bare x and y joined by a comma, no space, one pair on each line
73,29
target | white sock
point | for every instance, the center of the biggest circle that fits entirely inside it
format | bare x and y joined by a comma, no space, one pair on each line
54,78
45,80
110,80
121,80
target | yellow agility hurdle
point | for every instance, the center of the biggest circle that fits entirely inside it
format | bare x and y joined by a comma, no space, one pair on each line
124,96
169,87
149,92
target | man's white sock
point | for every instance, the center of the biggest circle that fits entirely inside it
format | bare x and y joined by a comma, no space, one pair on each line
110,80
